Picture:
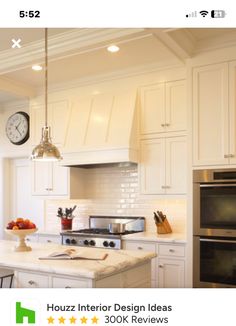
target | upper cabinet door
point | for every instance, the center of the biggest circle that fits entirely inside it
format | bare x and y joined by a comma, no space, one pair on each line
152,166
58,119
210,115
176,113
152,118
176,165
232,112
163,107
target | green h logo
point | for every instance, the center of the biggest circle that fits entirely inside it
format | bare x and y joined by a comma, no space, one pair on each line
23,312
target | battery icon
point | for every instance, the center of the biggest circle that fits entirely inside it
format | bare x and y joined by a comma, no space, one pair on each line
218,13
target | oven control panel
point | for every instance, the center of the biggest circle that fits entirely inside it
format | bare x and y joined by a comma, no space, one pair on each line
70,240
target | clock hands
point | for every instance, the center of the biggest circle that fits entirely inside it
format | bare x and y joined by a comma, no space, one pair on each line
17,128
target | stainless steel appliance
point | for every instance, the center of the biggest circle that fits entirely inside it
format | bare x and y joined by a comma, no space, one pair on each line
214,228
98,234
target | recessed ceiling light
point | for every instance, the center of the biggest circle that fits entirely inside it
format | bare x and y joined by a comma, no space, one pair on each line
113,48
37,67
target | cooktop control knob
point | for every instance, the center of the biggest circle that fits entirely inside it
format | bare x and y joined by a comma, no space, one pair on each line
67,241
86,242
105,244
73,241
112,244
92,243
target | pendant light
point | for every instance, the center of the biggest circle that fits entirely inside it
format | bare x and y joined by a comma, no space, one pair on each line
46,151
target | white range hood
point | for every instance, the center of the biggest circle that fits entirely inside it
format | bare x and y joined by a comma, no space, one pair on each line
103,129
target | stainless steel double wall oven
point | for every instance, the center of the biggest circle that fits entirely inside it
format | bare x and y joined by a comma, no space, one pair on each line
214,228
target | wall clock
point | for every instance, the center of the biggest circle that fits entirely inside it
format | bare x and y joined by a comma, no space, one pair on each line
17,128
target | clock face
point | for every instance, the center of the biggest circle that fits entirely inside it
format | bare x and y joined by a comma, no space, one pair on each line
17,128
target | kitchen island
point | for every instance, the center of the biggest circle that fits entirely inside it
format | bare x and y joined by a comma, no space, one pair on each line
121,268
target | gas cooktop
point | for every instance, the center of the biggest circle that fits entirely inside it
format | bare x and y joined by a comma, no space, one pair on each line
98,234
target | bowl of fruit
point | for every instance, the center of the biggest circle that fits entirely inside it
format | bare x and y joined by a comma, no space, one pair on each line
21,228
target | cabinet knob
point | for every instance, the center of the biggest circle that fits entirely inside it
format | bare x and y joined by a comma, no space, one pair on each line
140,248
32,282
49,241
171,250
163,124
27,239
167,124
161,266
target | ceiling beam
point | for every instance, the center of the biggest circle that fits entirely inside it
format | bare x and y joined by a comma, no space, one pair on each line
179,42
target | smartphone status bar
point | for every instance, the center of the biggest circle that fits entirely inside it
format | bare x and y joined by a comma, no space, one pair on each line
117,13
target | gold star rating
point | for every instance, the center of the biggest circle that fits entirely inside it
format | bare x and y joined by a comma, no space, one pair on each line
72,320
94,320
61,320
83,320
50,320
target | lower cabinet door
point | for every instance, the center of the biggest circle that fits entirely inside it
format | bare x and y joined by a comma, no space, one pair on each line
170,273
31,280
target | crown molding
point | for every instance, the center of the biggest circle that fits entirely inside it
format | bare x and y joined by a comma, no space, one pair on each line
62,45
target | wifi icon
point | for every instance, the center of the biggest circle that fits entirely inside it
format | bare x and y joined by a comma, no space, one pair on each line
203,13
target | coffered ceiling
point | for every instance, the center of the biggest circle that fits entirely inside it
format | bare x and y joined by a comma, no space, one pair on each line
77,54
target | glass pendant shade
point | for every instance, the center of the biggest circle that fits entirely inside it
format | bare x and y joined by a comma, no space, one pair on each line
46,151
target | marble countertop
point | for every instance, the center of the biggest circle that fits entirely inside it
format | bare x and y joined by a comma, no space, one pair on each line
149,236
117,260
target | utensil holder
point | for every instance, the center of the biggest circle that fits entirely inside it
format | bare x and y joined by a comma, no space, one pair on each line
164,227
66,223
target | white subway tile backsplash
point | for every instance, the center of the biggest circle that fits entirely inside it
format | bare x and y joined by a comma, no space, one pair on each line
115,191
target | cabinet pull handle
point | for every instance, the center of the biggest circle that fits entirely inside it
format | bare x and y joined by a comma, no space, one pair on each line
161,266
140,248
231,155
165,187
163,124
67,287
167,124
49,241
31,282
171,250
49,189
226,156
27,239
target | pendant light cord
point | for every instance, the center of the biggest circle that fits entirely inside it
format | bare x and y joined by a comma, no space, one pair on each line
46,77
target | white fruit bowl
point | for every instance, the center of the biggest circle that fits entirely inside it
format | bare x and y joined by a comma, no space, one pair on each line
21,234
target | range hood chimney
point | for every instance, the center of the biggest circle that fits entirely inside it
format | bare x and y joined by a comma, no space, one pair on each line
103,129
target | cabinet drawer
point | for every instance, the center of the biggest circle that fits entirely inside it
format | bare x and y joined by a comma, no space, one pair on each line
140,246
61,282
171,250
31,280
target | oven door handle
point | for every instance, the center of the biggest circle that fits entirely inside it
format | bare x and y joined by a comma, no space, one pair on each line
216,240
208,185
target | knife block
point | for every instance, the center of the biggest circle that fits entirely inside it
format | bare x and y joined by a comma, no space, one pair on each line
164,227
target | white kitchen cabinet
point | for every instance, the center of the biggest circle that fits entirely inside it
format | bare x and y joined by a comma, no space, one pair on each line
58,119
168,268
51,179
163,166
45,238
30,280
163,107
170,273
22,203
214,114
